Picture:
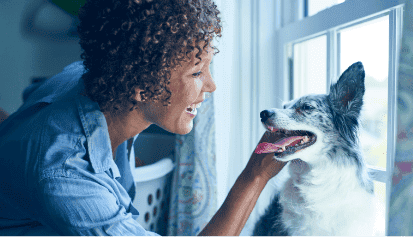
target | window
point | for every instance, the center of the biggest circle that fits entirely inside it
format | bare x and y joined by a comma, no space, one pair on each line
369,43
309,67
317,49
315,6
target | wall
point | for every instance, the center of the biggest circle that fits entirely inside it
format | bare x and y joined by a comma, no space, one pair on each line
34,43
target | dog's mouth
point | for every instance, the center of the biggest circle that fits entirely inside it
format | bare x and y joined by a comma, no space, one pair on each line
290,141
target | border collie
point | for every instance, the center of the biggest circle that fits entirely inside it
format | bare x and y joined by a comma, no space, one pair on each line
329,191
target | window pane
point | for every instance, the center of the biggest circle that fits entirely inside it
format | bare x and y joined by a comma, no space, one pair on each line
380,192
369,43
310,67
315,6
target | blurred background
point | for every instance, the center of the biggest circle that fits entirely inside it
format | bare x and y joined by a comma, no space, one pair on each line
38,40
271,51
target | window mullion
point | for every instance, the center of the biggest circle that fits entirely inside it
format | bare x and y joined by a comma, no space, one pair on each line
395,34
394,44
332,58
377,174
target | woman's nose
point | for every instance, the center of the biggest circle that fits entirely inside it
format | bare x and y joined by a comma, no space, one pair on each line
209,84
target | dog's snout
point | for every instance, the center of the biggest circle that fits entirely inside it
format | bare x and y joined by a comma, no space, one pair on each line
265,114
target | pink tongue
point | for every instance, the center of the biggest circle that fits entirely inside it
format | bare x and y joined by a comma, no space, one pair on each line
266,147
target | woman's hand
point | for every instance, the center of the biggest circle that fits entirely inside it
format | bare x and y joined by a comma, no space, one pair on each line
237,207
264,165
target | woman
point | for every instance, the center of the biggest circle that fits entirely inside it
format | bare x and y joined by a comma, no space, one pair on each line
145,62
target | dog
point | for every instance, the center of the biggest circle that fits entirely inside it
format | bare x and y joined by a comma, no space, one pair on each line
329,191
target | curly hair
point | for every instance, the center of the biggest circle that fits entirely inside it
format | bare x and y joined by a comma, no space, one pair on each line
134,44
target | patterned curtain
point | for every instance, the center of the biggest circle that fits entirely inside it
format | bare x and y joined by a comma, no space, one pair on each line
193,192
401,201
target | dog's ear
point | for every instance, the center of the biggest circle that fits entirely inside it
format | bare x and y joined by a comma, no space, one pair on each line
346,100
346,96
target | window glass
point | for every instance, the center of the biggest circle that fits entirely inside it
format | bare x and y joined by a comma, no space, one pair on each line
380,193
369,43
310,67
314,6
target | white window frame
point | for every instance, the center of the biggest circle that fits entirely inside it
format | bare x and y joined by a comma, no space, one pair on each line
327,22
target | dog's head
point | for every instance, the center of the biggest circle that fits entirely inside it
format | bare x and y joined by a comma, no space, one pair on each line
319,124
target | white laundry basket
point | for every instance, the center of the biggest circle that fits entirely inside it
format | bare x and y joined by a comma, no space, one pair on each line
152,191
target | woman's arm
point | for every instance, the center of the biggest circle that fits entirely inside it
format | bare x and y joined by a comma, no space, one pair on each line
237,207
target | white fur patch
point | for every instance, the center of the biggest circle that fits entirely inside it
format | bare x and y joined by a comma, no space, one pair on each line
328,201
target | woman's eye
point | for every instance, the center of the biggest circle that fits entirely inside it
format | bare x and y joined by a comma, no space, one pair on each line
197,74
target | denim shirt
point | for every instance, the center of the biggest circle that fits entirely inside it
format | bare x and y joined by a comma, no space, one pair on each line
57,172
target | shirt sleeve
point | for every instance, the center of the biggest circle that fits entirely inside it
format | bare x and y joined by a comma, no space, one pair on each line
76,206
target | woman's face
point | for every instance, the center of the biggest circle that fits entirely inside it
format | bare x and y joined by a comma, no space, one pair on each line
188,85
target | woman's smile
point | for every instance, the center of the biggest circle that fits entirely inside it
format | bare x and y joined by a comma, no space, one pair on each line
192,109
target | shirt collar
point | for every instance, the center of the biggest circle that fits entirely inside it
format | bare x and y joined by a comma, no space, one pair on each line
97,135
61,85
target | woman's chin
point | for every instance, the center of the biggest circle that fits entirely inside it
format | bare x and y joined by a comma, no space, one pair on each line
181,128
185,129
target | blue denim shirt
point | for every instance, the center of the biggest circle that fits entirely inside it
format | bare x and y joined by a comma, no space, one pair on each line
57,172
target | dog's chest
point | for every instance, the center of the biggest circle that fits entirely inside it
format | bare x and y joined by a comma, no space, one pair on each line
295,211
302,215
300,218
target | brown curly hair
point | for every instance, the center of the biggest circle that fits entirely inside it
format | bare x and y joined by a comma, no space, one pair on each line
130,44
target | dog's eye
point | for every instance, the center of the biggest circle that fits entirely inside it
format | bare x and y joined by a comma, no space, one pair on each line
307,107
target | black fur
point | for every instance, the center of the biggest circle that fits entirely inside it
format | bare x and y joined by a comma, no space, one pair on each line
270,223
346,100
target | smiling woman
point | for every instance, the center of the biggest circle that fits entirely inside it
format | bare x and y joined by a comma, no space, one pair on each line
145,62
141,47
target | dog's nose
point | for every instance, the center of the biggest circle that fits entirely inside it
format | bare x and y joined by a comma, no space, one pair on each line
265,114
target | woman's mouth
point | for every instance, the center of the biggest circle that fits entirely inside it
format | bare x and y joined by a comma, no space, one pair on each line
192,109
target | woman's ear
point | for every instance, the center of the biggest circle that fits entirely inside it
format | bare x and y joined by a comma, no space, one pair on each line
138,96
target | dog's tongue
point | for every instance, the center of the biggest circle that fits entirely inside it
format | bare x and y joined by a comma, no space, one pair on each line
266,147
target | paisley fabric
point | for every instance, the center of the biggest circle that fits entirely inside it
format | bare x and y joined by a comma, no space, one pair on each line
193,194
401,201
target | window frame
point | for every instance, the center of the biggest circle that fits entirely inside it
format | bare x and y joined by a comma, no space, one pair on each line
326,22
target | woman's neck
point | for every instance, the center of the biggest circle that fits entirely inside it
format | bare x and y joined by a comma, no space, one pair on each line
124,126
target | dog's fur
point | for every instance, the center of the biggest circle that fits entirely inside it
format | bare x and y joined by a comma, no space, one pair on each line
329,191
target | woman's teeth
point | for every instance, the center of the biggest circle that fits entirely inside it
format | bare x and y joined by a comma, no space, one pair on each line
191,110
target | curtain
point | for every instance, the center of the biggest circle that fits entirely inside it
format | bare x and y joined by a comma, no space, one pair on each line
193,191
401,201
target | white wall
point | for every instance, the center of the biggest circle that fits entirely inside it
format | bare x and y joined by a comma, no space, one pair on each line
25,52
244,72
224,73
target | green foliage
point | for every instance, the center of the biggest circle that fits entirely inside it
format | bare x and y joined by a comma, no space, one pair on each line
70,6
